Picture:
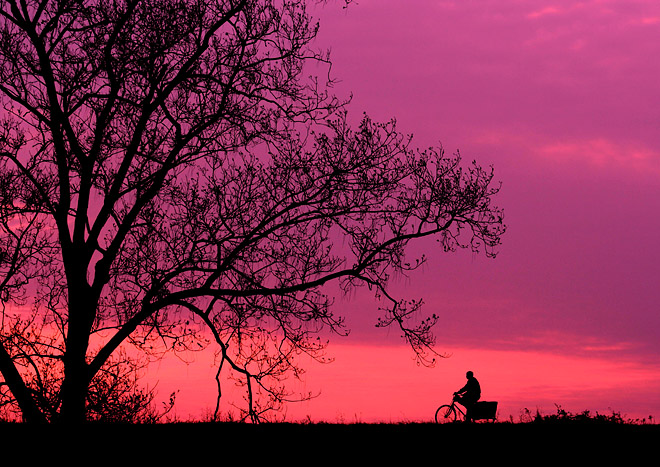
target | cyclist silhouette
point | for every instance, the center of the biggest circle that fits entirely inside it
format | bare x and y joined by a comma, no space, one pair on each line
468,394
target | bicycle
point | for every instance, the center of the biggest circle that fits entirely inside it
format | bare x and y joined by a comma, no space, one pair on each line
449,413
482,410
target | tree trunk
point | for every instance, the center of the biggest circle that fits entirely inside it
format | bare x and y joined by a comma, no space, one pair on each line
75,386
82,310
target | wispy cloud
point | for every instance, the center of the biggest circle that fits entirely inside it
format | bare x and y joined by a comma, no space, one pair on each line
549,10
602,152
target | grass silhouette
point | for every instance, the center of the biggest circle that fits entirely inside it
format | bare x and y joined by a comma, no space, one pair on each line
582,437
581,418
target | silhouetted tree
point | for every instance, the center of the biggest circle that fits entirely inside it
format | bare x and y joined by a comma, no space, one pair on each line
172,179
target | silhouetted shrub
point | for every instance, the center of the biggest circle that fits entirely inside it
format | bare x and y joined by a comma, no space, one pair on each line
584,417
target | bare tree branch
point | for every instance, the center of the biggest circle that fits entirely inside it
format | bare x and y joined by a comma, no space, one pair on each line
171,179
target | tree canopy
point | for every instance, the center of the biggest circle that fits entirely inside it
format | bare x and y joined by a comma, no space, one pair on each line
172,179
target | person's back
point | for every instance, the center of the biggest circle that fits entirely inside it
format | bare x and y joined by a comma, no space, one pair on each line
472,388
471,392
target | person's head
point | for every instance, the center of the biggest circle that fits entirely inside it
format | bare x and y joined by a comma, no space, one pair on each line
469,375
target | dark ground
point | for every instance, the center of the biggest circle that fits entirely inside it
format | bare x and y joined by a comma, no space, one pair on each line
332,444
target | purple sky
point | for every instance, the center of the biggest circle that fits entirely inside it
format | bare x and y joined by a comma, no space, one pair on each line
562,98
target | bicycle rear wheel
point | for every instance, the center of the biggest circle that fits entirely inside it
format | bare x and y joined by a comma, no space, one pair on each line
445,414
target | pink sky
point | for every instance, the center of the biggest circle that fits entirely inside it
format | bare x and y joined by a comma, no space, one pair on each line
562,98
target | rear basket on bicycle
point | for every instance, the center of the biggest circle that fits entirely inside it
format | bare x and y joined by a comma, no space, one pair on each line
483,410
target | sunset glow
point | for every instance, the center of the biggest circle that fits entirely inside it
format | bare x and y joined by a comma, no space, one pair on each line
383,384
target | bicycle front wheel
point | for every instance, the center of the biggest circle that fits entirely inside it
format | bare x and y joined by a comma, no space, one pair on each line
445,414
